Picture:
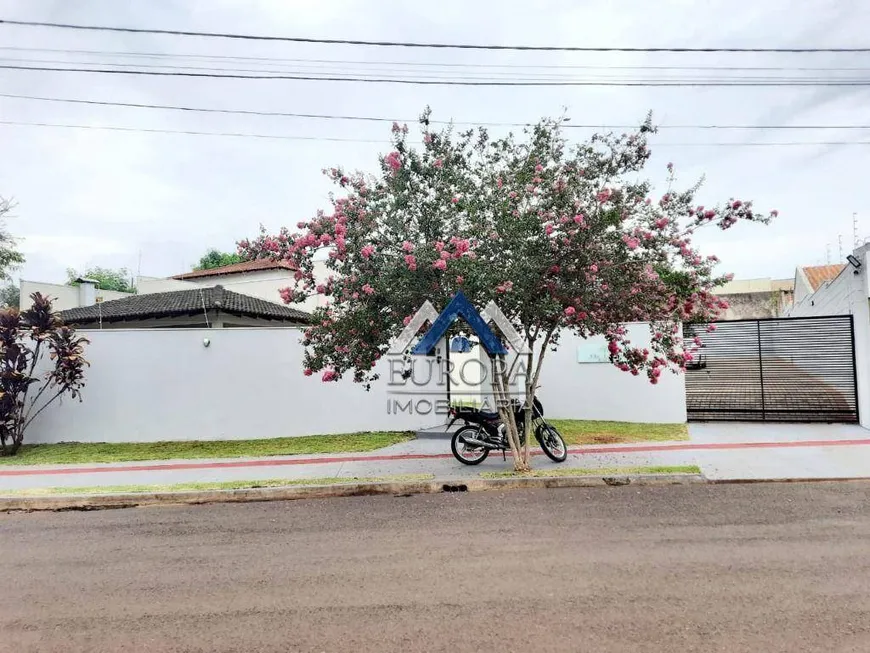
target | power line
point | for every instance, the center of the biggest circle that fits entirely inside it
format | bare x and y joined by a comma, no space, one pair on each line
421,73
433,64
321,116
458,82
193,132
429,74
410,44
382,141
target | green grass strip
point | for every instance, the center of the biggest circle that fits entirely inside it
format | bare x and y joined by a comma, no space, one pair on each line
115,452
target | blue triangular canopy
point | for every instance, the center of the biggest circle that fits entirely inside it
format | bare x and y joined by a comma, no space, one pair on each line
459,306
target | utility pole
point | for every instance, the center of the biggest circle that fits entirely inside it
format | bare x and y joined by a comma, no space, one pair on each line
855,242
840,246
828,254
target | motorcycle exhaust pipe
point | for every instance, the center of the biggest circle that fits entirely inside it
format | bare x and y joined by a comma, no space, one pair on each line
474,442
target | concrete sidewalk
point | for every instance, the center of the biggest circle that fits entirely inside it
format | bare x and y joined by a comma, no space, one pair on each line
722,451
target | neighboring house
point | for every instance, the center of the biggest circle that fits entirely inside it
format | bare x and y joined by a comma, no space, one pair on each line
844,293
214,307
65,297
756,298
808,280
258,278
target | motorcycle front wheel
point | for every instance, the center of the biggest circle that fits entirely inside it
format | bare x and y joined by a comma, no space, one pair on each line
465,453
552,443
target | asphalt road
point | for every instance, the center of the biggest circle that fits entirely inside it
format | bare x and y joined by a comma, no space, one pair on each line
695,568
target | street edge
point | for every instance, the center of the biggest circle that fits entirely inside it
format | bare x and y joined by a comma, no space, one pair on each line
295,492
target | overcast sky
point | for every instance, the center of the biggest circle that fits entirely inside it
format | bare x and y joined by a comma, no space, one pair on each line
90,197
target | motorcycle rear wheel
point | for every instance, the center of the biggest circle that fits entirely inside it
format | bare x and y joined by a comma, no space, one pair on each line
464,453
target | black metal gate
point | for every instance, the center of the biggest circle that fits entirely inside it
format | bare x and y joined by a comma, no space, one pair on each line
781,369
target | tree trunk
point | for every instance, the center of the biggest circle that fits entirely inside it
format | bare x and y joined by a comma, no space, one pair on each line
501,385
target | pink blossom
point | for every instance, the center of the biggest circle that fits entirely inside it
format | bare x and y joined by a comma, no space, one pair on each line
661,223
570,310
438,163
604,195
774,213
320,288
407,320
578,219
440,264
301,225
612,347
498,182
670,167
439,246
408,246
582,315
427,138
454,200
411,262
445,254
460,244
393,159
368,290
554,269
367,251
593,268
549,229
329,375
630,242
460,279
539,168
308,371
507,286
737,204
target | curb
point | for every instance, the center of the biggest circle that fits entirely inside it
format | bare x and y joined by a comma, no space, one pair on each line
292,493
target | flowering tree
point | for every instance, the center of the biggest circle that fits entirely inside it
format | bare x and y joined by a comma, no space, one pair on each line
563,237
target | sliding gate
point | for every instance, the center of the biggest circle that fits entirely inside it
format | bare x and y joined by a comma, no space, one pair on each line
781,369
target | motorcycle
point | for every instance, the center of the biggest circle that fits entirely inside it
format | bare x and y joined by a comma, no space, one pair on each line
484,431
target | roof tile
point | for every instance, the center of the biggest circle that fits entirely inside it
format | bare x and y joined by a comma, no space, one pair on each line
237,268
183,302
819,274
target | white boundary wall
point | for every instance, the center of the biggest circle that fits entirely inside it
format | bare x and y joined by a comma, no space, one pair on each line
164,384
848,294
599,391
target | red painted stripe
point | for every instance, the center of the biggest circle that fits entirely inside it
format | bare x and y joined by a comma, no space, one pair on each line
282,462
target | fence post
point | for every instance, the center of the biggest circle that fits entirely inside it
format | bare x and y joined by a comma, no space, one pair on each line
761,370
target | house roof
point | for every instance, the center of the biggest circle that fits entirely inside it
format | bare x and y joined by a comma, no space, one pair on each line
183,302
818,274
237,268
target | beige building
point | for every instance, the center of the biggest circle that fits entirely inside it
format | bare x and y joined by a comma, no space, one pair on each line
65,297
756,298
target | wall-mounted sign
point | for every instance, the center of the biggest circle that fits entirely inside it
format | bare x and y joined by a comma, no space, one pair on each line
593,351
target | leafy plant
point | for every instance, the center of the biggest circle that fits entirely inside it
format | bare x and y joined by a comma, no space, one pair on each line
106,278
30,341
10,296
214,258
563,237
10,257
